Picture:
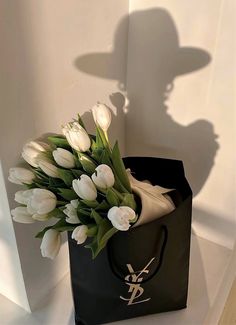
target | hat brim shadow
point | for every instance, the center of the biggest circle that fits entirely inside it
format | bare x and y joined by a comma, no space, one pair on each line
182,61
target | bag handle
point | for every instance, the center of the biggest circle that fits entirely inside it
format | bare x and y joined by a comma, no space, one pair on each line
138,280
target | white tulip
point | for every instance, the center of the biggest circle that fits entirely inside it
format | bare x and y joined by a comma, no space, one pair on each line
103,177
76,136
40,217
33,152
51,243
40,203
102,116
121,216
19,175
23,197
80,234
64,158
49,169
21,214
71,212
85,188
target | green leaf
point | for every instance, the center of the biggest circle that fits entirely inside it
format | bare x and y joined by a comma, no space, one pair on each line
129,201
103,206
42,181
118,185
67,194
66,176
107,236
60,226
40,185
40,174
80,121
120,195
92,230
77,173
90,204
87,163
84,209
77,162
99,139
59,141
53,189
41,233
105,232
120,168
55,182
94,145
84,217
103,227
56,213
112,198
105,158
97,154
31,186
93,246
96,216
67,227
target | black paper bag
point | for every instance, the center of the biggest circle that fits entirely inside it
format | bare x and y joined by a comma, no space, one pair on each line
141,271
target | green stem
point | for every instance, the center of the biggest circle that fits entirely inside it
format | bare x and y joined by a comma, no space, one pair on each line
106,136
120,196
61,202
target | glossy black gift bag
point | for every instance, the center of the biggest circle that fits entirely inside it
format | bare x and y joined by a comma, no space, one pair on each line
141,271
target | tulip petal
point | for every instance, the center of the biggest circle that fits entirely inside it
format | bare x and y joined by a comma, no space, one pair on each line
20,214
51,243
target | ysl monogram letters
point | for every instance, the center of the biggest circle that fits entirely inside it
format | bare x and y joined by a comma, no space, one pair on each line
135,289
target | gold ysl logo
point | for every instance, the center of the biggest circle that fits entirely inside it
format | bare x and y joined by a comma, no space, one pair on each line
135,288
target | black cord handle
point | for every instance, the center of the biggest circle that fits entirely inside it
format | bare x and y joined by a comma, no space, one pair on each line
122,277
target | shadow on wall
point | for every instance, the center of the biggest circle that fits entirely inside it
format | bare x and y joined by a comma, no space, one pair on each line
155,59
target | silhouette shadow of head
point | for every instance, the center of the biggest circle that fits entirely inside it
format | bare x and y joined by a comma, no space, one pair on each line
155,59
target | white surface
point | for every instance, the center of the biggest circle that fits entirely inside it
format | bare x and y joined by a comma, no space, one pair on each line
208,265
179,116
42,88
12,283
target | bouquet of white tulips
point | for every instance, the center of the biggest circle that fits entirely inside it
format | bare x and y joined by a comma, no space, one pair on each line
78,180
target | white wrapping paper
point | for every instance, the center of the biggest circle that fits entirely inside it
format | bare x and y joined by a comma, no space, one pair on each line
155,200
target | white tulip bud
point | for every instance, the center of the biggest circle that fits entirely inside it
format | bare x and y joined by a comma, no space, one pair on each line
80,234
76,136
85,188
120,217
40,203
33,152
64,158
49,169
103,177
21,176
51,243
71,212
102,116
23,197
21,214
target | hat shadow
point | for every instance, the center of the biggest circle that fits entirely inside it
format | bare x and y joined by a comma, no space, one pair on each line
155,59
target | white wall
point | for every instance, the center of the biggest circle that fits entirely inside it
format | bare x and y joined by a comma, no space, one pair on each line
179,112
42,88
